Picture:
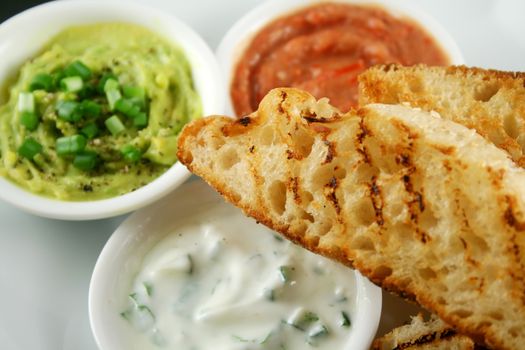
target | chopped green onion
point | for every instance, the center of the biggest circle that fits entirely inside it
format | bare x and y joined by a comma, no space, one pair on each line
345,320
124,106
140,120
78,143
90,108
145,318
317,331
131,91
85,160
135,94
139,315
114,125
72,84
192,265
302,319
70,144
88,91
285,272
68,111
269,294
104,79
240,339
127,315
26,102
29,120
134,298
112,90
29,148
90,130
340,295
57,76
130,153
148,287
127,107
113,96
77,68
41,81
111,84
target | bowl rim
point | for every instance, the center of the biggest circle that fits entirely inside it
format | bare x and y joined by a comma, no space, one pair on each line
200,56
131,233
236,39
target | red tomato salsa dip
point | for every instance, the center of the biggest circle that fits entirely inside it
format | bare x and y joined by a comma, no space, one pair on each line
322,49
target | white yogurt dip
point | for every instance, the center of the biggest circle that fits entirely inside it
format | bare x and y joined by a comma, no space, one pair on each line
220,281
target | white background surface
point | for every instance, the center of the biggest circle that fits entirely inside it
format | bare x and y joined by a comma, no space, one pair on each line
45,265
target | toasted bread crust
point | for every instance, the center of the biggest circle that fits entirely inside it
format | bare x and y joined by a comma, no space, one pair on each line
489,101
394,192
433,334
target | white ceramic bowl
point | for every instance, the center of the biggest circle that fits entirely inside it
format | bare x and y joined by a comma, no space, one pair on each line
21,38
121,258
239,36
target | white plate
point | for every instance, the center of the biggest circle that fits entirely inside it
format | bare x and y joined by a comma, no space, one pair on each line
46,265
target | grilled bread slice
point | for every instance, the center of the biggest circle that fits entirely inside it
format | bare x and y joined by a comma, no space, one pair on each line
433,334
489,101
421,205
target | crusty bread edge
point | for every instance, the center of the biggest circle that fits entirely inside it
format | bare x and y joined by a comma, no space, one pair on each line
449,70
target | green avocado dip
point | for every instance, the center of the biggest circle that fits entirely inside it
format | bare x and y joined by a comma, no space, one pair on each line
97,113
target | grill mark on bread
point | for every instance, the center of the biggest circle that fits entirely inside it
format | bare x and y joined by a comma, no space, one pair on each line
420,201
447,166
293,185
427,338
363,130
360,137
509,216
421,334
312,117
448,150
330,152
467,251
416,202
331,188
377,200
373,187
496,177
239,126
469,259
244,121
315,119
479,281
411,134
403,159
280,107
